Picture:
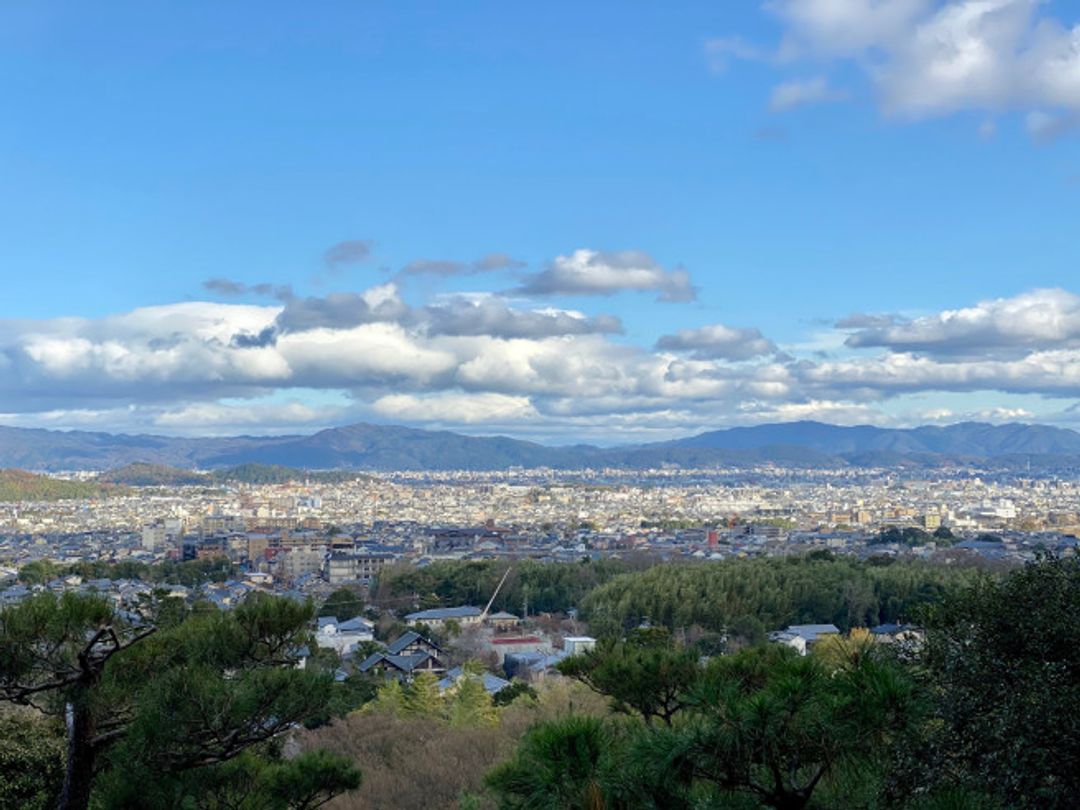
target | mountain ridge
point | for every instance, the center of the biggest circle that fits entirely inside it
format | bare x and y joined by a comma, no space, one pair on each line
365,446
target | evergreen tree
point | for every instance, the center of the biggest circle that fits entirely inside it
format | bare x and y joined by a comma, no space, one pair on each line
562,765
390,698
1001,663
157,702
646,674
422,697
470,704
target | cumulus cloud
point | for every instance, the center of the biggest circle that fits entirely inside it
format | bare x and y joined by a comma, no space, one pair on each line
341,310
1040,319
485,360
491,315
718,341
934,57
593,272
1044,372
845,27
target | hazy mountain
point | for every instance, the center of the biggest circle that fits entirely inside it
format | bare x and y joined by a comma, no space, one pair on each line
963,439
387,447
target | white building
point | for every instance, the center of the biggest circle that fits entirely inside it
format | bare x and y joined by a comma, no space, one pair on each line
343,636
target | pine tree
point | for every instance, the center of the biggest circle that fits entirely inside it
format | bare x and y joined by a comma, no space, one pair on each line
390,698
471,704
423,698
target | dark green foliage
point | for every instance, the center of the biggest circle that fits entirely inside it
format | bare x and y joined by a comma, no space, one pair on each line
261,474
143,474
342,603
549,587
775,725
907,536
258,779
1002,663
562,765
764,727
721,596
152,704
346,696
516,689
189,573
31,761
311,779
644,675
38,572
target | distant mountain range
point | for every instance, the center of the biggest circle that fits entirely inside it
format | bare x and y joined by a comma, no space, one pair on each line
387,447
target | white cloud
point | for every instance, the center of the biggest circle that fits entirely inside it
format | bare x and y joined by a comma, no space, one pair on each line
718,341
461,360
593,272
1050,372
799,92
467,409
935,57
492,315
1044,318
220,418
844,27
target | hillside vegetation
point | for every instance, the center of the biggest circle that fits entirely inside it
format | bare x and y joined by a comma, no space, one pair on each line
766,594
145,474
17,485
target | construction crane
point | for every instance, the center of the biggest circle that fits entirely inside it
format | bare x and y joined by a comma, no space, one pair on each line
498,587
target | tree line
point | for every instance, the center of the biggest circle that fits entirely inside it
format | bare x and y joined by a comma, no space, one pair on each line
542,587
767,594
173,572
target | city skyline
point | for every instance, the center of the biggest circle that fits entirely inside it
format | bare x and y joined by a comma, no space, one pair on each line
605,224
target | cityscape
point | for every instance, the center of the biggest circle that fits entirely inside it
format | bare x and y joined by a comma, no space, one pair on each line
308,537
560,406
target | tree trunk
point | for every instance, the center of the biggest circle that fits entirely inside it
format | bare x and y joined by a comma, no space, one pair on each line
79,775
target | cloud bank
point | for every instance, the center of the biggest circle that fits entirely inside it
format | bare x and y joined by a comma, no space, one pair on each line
486,362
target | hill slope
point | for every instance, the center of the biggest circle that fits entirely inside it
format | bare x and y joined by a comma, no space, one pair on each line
16,486
962,439
386,447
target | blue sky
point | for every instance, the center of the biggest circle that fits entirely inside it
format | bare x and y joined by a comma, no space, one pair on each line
774,169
